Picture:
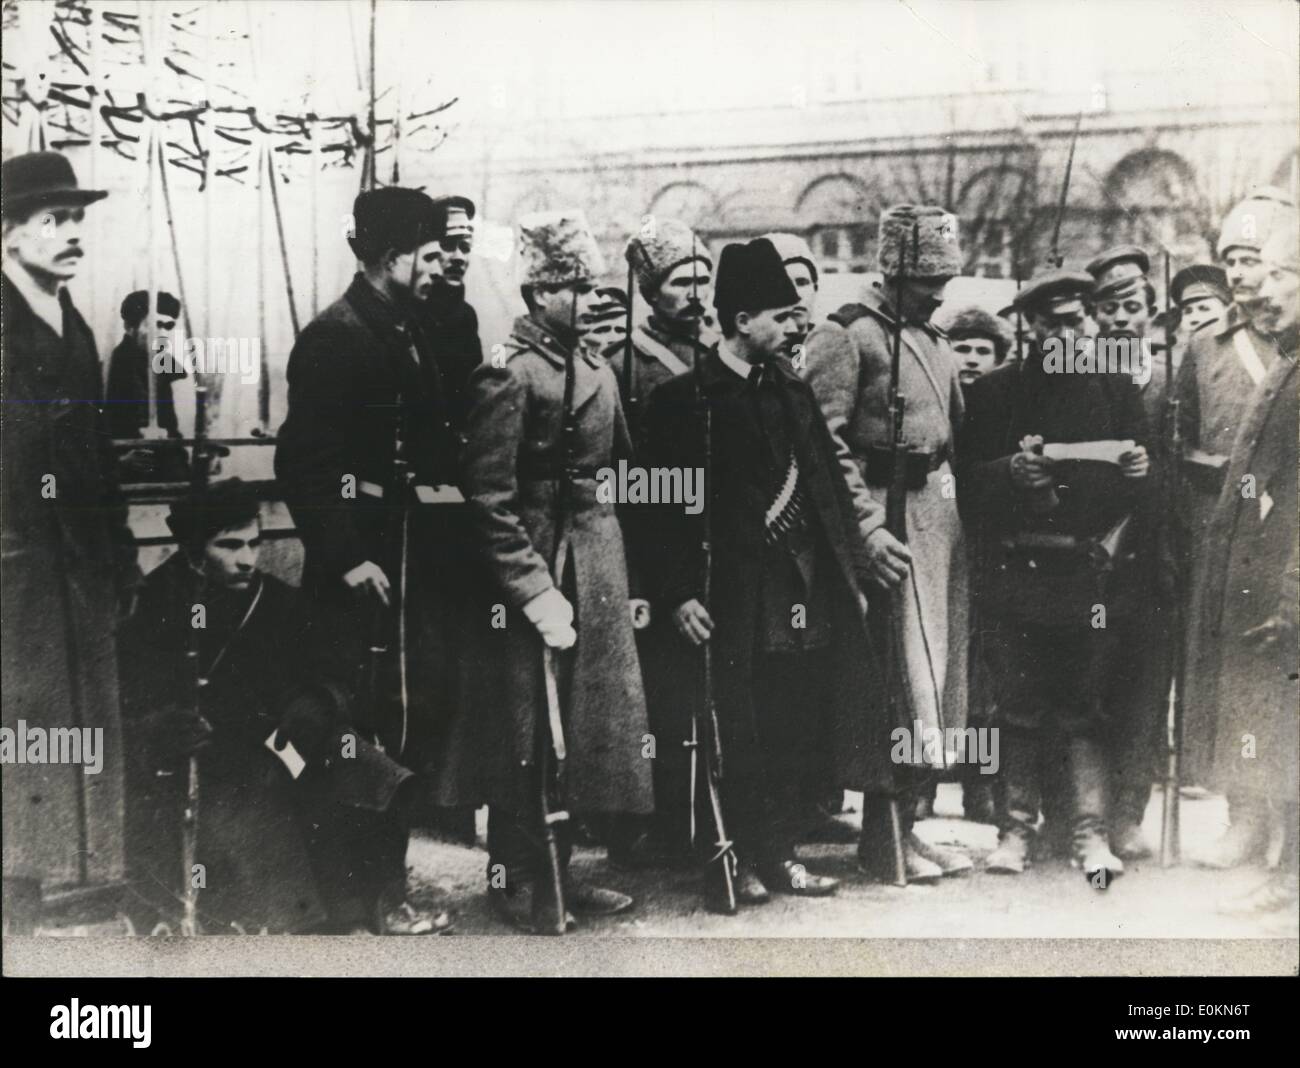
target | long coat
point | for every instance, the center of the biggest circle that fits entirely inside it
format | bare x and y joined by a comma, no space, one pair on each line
1235,686
857,731
353,372
266,864
848,367
68,559
511,469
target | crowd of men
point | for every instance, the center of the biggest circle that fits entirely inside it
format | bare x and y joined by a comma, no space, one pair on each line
913,517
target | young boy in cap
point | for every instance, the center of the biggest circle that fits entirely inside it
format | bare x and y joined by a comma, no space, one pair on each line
516,456
801,268
848,367
795,685
70,561
449,321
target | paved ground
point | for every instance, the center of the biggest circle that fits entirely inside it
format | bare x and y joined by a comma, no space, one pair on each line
1050,901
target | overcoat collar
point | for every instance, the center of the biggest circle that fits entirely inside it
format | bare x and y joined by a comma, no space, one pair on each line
587,367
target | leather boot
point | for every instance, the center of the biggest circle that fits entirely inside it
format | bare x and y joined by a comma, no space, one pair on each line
1244,840
1089,787
1018,798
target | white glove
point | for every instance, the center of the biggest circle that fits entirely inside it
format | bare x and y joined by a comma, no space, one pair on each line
552,615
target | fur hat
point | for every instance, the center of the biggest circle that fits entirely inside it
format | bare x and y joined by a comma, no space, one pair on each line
928,237
391,218
556,248
1249,224
972,321
655,257
794,249
1282,249
752,277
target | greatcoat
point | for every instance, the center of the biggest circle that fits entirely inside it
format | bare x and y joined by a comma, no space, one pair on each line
848,367
1241,698
512,464
68,561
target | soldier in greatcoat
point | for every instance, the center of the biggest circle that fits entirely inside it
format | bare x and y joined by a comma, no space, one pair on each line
1224,365
517,462
848,367
1242,667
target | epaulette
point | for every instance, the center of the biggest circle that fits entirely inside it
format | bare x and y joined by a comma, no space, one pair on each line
849,314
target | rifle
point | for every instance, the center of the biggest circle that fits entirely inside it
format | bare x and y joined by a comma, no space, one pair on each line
1170,823
379,627
199,472
896,524
1056,257
551,917
725,855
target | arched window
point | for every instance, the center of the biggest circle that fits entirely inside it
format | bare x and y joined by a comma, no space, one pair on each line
1153,200
992,209
839,217
688,202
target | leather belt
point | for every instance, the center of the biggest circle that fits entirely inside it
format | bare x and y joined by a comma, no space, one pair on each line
919,465
425,494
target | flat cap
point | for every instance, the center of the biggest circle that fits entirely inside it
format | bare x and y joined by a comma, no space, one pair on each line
1053,287
1112,257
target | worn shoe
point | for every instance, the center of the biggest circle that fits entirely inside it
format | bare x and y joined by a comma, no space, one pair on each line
950,861
516,907
791,877
588,900
1011,857
1129,843
878,866
1245,840
1279,894
749,887
405,919
1100,866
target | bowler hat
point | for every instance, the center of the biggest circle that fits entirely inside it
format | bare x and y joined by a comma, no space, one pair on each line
751,277
41,179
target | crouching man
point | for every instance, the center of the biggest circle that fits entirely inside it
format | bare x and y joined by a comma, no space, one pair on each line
296,809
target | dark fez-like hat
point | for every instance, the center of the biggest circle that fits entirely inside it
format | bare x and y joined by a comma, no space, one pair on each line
392,218
751,277
40,179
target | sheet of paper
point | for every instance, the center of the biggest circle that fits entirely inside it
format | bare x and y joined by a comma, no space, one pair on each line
1265,506
1106,452
289,756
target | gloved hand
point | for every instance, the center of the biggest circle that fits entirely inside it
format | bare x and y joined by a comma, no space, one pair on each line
552,615
305,724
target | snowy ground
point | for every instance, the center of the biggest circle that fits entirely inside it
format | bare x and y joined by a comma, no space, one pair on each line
1051,900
